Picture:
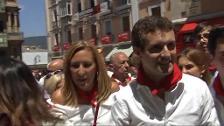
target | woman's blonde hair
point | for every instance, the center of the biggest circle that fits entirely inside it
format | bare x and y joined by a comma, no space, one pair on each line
102,79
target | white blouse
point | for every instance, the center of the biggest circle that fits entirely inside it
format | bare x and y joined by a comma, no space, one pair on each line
84,114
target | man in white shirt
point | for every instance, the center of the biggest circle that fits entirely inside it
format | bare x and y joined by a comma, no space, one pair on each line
216,49
161,94
119,65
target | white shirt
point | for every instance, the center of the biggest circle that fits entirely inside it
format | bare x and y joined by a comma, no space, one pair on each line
189,103
84,114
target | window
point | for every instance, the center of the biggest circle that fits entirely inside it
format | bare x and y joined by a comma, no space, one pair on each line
188,38
1,26
69,36
93,30
156,11
92,3
80,33
123,2
12,19
126,23
79,7
108,27
69,8
56,39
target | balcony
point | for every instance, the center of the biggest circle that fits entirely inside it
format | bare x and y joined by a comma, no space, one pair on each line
123,4
15,36
11,4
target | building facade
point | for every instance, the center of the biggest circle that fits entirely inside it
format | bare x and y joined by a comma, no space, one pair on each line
104,23
108,23
10,36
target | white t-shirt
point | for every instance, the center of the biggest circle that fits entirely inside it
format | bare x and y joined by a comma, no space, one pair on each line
189,103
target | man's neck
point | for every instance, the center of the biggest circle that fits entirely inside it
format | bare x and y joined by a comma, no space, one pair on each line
153,77
119,77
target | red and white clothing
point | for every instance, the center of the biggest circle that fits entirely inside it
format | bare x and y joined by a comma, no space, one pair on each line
188,103
217,89
84,114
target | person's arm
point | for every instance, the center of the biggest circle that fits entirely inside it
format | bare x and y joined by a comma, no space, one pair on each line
120,114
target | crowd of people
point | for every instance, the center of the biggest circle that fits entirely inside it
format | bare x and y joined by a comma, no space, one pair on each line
152,86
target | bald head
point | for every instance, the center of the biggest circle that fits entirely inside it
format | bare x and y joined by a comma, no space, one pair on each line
117,57
56,64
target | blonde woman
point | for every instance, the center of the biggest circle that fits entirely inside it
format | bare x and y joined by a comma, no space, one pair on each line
87,89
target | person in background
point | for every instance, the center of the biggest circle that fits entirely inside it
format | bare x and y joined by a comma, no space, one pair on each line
54,65
201,34
53,84
161,94
114,85
216,48
194,62
20,97
87,88
120,68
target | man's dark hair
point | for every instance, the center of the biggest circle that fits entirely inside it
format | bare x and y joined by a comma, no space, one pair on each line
146,25
216,34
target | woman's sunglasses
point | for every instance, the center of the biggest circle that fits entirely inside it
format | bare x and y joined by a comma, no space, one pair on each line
53,73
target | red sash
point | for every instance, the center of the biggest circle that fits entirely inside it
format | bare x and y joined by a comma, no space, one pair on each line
164,85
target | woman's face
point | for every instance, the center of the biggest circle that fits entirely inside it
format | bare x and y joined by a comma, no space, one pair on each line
83,70
189,67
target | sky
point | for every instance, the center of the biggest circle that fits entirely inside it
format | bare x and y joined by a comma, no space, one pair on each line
32,18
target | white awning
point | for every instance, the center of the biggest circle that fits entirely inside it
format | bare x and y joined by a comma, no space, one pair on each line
127,51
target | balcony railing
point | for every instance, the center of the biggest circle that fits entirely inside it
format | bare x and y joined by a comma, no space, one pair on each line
15,36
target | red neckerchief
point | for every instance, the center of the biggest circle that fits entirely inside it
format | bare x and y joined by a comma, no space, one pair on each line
89,96
164,85
219,90
212,68
121,83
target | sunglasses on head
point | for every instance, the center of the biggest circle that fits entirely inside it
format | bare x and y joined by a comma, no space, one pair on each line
53,73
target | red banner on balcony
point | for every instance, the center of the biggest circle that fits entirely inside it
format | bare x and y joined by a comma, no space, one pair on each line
66,45
106,39
56,48
96,9
123,37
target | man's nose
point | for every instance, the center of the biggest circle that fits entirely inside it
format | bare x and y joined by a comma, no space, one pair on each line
126,64
166,52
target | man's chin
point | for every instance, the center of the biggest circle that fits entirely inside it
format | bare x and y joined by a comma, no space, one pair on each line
167,69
